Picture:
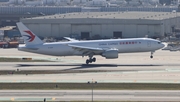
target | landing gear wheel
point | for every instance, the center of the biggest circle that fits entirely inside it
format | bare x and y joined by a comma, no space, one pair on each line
87,61
94,59
90,60
152,54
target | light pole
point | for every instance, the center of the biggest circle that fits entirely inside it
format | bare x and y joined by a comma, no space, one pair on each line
92,82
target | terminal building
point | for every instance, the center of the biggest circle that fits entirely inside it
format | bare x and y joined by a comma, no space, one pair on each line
92,25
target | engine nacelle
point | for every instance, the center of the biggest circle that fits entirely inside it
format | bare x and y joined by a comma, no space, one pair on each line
110,54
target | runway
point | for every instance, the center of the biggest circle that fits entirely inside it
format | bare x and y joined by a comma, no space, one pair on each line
128,68
86,95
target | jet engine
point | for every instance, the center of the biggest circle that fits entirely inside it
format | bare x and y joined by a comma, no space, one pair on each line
110,54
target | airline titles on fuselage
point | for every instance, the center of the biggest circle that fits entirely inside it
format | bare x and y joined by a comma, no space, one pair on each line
120,43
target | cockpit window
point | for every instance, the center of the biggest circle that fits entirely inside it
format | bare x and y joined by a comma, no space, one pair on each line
159,42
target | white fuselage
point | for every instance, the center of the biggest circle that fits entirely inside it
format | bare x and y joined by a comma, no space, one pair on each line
123,46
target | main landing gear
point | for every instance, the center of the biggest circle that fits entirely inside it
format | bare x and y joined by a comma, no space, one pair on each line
90,60
151,54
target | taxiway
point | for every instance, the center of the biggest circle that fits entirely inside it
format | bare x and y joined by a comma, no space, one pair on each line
86,95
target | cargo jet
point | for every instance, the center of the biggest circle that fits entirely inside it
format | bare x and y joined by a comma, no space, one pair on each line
106,48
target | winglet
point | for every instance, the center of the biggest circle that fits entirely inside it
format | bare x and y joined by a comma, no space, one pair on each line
29,37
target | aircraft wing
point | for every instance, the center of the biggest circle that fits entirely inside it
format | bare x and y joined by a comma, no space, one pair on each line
87,50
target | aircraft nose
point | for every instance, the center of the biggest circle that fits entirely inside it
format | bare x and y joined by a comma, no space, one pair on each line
162,45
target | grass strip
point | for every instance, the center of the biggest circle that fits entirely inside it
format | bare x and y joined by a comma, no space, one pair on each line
70,101
27,72
82,86
20,60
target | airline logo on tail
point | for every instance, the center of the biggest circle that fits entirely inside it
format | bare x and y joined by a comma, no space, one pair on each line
30,37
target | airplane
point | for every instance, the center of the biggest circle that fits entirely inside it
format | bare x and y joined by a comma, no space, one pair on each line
109,48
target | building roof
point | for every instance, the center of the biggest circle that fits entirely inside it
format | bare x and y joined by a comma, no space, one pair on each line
114,15
7,28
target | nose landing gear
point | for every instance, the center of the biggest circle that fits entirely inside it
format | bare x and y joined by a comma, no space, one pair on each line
152,54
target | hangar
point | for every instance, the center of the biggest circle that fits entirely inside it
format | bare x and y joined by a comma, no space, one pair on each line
88,25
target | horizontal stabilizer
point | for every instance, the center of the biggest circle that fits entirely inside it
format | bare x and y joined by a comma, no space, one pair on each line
70,39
